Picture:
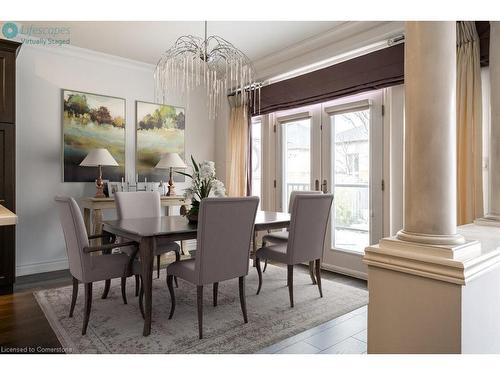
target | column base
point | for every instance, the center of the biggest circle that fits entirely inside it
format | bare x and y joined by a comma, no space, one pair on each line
433,298
490,220
446,240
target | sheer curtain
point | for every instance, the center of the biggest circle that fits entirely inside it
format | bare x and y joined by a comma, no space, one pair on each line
238,148
469,117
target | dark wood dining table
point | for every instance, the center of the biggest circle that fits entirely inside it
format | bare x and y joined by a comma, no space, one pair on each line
146,231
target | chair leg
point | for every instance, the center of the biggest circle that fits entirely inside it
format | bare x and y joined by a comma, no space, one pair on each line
172,295
199,302
290,283
107,284
216,291
124,289
87,307
158,259
265,260
311,272
137,284
259,272
73,297
243,302
141,300
177,258
318,276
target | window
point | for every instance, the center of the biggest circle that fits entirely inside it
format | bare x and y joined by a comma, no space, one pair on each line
351,171
257,157
296,157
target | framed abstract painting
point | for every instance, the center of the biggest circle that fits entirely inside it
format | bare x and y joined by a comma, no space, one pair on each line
160,129
92,121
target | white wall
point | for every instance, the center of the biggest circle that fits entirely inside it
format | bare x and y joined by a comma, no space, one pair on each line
41,74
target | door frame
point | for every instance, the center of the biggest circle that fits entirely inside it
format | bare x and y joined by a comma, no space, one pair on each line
281,118
342,260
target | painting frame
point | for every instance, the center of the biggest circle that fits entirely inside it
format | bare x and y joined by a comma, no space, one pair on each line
106,170
160,175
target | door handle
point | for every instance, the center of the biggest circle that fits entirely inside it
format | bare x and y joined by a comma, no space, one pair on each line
324,186
316,185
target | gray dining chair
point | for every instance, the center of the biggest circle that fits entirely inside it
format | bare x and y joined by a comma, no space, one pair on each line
141,204
281,237
308,224
85,268
225,228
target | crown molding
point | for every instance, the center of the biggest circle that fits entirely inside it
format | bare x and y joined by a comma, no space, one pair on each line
88,54
344,37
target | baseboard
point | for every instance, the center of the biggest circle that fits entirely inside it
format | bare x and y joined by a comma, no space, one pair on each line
39,267
345,271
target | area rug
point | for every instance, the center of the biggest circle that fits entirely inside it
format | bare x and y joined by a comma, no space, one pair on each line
117,328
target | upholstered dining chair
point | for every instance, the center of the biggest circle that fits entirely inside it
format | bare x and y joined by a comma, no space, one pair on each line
309,220
141,204
86,268
225,228
281,237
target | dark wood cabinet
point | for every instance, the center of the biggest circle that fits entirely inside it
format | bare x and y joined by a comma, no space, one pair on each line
8,53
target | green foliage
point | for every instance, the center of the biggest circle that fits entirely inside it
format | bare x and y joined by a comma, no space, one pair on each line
101,116
180,121
76,105
119,122
163,117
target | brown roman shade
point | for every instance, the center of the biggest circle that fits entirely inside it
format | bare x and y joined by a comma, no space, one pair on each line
372,71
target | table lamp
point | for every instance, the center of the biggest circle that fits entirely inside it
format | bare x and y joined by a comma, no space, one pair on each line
170,161
97,158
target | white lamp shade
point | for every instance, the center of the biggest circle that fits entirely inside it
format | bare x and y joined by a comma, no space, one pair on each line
170,160
98,156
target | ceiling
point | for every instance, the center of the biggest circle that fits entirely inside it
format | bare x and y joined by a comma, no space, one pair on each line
145,41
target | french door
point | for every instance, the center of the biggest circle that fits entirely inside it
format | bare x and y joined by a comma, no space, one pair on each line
336,147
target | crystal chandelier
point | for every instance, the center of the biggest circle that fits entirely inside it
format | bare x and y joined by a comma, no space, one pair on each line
212,62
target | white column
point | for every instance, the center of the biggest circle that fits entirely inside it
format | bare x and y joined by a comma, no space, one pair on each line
432,290
430,134
494,170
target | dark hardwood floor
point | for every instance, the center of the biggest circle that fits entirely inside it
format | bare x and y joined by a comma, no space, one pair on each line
24,328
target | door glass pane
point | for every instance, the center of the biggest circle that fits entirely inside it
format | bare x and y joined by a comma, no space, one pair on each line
296,157
351,172
256,158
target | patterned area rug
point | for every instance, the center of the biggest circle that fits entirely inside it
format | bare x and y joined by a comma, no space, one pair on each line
117,328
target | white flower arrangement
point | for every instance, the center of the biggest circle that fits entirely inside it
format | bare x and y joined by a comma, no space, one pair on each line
203,184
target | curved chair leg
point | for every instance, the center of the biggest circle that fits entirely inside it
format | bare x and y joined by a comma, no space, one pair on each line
199,302
124,289
158,260
177,258
141,300
259,272
73,297
87,307
243,302
318,276
137,284
107,284
265,260
216,290
172,295
311,272
290,283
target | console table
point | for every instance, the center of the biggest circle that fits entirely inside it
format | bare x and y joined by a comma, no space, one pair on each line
92,209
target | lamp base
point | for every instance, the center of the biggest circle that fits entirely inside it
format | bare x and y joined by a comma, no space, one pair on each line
99,184
171,190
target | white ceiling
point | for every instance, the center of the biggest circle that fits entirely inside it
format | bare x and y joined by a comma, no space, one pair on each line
145,41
